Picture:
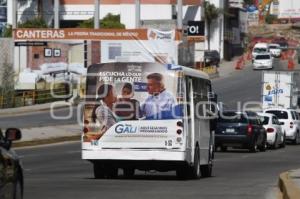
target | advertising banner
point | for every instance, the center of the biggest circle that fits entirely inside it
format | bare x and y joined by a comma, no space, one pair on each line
95,34
132,105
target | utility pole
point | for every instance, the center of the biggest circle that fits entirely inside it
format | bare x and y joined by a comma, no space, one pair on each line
56,14
97,15
137,13
179,14
14,13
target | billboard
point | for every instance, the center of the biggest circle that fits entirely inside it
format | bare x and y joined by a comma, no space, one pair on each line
289,9
52,52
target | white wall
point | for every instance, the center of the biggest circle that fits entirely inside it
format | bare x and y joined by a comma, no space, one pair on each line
9,11
84,12
128,15
148,12
20,59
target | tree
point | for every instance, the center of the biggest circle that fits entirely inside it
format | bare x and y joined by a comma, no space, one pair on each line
211,13
7,31
109,21
37,22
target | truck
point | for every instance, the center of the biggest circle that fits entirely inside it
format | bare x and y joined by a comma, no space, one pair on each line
280,89
148,116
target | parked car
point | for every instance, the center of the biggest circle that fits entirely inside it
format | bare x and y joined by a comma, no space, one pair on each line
240,129
11,172
275,132
260,48
263,61
211,58
290,122
275,50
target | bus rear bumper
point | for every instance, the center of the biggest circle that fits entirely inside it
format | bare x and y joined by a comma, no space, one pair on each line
130,154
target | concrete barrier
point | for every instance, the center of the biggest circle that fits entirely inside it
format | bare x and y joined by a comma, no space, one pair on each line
287,188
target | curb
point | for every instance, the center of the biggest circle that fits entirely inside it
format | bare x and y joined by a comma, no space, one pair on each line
32,109
40,142
287,189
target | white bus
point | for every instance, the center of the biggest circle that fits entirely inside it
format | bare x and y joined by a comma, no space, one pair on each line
148,116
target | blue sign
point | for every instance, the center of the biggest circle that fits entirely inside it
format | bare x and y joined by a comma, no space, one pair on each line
251,8
276,91
268,98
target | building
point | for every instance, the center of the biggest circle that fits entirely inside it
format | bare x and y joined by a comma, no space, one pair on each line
3,15
160,14
74,11
236,29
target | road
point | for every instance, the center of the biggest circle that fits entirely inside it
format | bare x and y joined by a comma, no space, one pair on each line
39,119
243,86
58,172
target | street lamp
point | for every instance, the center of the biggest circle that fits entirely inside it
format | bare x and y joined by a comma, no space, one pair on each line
137,13
179,14
97,14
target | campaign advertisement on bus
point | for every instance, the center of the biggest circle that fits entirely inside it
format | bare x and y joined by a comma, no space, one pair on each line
133,105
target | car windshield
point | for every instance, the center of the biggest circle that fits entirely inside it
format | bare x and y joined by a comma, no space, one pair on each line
211,53
273,47
279,114
262,57
260,50
264,120
232,117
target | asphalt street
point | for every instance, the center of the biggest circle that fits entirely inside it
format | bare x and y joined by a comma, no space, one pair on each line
243,86
41,118
58,172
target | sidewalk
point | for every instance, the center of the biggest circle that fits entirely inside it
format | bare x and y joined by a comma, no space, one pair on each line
47,135
43,135
225,69
289,185
34,108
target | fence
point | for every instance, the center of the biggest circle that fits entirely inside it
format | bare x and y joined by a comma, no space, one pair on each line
25,98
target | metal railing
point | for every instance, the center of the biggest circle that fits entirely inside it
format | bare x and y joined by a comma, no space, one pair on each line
26,98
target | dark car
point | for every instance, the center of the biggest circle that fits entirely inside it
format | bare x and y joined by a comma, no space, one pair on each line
11,172
282,42
211,58
240,130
